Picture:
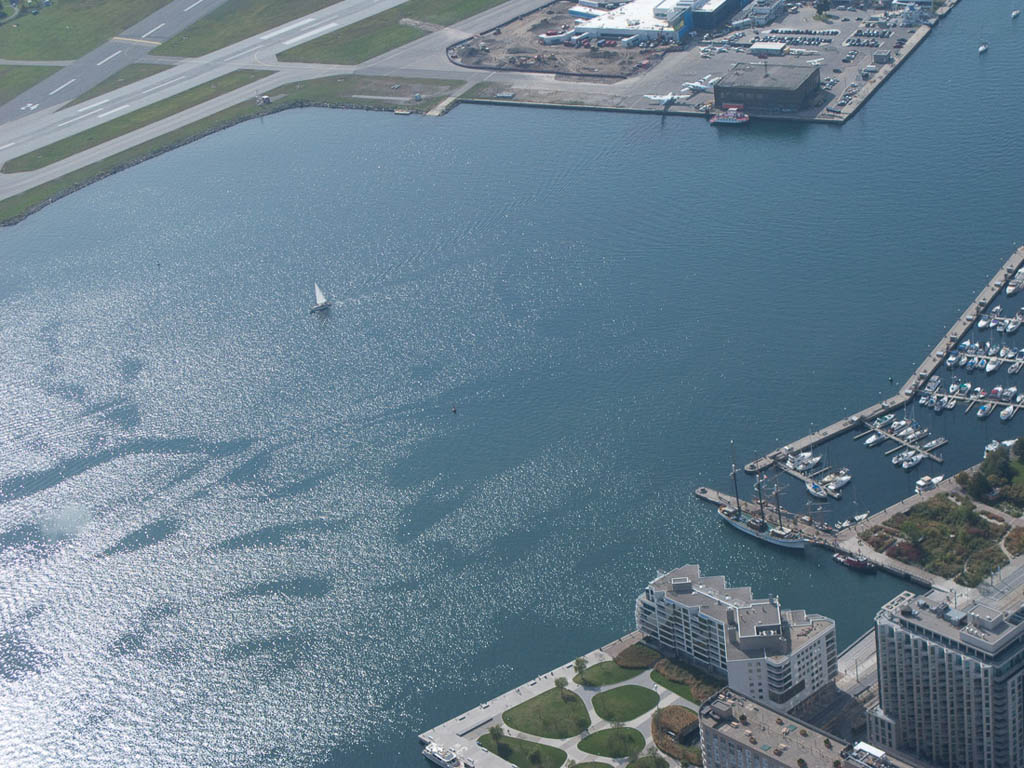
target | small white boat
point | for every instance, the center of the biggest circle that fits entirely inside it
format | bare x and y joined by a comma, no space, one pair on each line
913,461
816,490
982,48
839,482
1007,413
951,404
993,365
1015,13
994,445
985,410
860,517
876,439
933,443
927,483
321,301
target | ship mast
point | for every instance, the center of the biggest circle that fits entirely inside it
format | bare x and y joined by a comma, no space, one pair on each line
760,497
735,484
778,507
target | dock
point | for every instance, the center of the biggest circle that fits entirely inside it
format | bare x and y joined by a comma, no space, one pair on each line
924,371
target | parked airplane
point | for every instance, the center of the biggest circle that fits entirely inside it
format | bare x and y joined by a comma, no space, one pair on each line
703,85
666,100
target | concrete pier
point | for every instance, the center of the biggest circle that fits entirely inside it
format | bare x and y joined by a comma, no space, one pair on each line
921,375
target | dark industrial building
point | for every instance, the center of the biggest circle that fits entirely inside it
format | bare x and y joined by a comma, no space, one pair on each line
712,14
768,87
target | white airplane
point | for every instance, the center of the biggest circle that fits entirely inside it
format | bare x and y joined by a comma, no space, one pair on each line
704,85
666,100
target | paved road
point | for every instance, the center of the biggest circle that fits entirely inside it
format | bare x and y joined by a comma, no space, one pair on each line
130,46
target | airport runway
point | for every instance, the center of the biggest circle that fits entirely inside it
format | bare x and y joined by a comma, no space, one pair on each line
134,43
423,58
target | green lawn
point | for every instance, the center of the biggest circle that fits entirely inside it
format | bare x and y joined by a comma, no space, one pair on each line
681,689
237,20
525,754
552,714
69,28
605,673
592,765
624,703
651,761
378,34
128,75
613,742
59,150
15,79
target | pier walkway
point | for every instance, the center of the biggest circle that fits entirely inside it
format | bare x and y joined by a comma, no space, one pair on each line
921,375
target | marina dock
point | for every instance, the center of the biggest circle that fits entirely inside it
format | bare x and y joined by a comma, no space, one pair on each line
921,375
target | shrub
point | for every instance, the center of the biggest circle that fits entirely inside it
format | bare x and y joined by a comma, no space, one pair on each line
638,656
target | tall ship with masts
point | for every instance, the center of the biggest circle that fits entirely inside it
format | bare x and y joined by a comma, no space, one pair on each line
758,525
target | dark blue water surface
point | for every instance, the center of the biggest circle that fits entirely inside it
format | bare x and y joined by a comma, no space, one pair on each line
234,534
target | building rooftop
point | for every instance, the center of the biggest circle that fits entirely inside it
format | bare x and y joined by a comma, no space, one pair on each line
638,14
757,627
978,626
777,76
784,739
780,737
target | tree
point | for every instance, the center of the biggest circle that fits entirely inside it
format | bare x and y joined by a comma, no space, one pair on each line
821,6
535,758
1018,448
978,486
561,684
580,665
496,732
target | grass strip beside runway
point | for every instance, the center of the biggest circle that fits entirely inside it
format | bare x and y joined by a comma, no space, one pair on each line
324,92
72,145
14,79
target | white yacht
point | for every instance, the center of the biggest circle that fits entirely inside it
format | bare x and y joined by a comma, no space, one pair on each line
321,301
993,365
927,483
1007,413
913,461
839,482
443,756
876,439
983,47
816,490
1015,13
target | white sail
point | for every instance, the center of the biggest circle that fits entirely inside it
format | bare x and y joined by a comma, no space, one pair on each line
320,298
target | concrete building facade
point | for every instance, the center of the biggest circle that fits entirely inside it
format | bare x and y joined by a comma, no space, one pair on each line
776,657
951,680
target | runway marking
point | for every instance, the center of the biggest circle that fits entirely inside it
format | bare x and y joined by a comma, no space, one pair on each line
93,106
154,29
136,40
312,33
241,53
76,119
289,28
197,2
115,109
8,145
101,63
181,77
62,87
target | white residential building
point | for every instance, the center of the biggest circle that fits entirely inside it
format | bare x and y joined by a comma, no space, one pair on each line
779,658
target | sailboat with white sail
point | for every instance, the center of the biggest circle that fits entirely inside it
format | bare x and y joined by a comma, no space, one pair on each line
321,300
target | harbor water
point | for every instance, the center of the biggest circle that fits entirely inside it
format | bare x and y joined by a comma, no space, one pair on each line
233,533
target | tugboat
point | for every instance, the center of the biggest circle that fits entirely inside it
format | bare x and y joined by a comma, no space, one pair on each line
733,115
856,562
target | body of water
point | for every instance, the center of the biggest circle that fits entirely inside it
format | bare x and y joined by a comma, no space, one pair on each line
235,534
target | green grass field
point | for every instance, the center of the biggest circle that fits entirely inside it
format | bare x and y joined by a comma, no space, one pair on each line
72,145
650,761
624,703
69,28
525,754
553,714
680,689
605,673
234,21
15,79
613,742
129,74
378,34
